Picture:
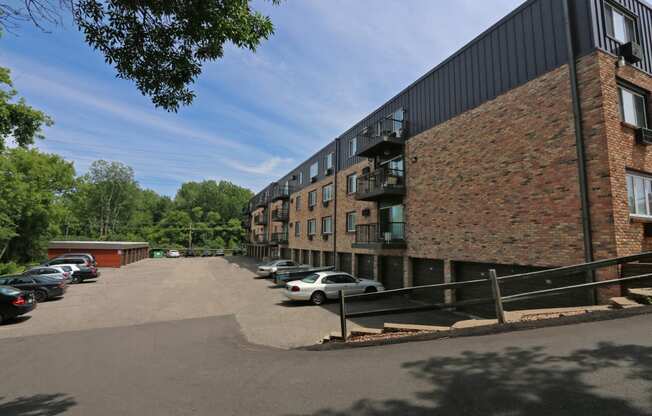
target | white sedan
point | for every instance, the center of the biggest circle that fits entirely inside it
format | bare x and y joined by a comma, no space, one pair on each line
318,287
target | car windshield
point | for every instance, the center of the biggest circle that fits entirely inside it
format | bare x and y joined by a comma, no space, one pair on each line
311,278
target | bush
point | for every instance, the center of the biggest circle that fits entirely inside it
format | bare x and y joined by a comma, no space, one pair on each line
11,268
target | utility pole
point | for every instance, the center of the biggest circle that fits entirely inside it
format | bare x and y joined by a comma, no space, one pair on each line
190,237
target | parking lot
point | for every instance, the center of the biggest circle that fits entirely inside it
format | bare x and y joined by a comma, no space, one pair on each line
159,290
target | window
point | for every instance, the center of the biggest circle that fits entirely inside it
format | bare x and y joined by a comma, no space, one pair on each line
314,170
350,222
328,161
639,194
397,121
298,202
353,146
620,26
632,107
327,192
300,177
312,198
327,225
351,183
297,229
312,227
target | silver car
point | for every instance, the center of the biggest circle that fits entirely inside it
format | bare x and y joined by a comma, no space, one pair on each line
55,272
318,287
277,266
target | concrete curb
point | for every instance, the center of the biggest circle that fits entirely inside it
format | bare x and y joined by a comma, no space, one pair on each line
487,329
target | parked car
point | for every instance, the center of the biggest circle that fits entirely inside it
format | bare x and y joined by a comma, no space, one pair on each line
86,270
206,253
319,287
63,273
14,302
88,256
44,288
279,266
285,276
219,252
190,253
173,254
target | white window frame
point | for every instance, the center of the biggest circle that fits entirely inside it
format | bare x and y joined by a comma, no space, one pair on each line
328,162
297,229
353,146
350,225
297,202
611,13
639,191
312,230
324,229
314,170
352,187
328,194
312,201
301,178
624,92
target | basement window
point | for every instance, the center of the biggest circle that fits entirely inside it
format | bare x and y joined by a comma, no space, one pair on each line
639,195
620,25
632,106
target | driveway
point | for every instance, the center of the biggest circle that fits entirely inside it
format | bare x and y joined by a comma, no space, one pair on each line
161,290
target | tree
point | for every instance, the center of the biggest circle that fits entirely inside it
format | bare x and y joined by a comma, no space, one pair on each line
161,45
31,182
108,195
18,120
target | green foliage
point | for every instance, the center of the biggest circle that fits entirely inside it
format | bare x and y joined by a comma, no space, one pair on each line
162,45
31,183
18,120
11,268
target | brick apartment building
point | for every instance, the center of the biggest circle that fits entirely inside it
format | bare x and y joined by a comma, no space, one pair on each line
527,148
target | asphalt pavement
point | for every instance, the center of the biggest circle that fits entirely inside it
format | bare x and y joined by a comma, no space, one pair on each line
206,366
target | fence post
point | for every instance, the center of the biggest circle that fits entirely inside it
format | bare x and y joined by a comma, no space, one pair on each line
495,289
342,316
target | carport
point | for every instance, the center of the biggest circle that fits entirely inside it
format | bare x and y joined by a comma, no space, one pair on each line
107,253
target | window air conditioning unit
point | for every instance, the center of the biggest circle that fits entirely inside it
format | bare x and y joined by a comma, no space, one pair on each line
294,177
366,212
325,236
311,207
325,203
644,136
632,52
313,179
329,171
310,237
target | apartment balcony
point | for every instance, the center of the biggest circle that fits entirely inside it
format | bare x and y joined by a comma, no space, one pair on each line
279,238
386,138
261,239
262,203
281,214
281,193
260,219
380,184
380,236
246,223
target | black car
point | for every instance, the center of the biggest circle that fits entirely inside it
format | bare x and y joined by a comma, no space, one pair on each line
190,253
43,287
14,302
86,270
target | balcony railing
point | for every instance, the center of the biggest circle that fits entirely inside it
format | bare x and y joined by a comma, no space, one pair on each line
261,239
262,202
386,137
379,184
279,238
381,235
281,214
281,192
260,219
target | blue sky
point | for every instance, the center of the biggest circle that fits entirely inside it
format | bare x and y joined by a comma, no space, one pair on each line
256,116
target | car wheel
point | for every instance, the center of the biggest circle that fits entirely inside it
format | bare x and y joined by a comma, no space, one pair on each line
2,319
76,279
370,289
40,295
318,298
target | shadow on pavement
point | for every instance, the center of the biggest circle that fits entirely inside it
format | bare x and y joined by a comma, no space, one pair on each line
244,262
522,382
37,405
15,321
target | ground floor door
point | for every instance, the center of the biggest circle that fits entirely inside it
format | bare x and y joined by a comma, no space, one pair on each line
364,266
391,272
285,253
328,258
345,260
428,272
305,257
315,258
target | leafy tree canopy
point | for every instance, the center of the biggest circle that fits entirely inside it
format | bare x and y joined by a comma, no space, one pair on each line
161,45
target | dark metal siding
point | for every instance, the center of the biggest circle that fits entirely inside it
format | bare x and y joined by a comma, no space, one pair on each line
643,14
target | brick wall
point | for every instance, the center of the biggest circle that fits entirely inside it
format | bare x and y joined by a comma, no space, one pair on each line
303,214
499,183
